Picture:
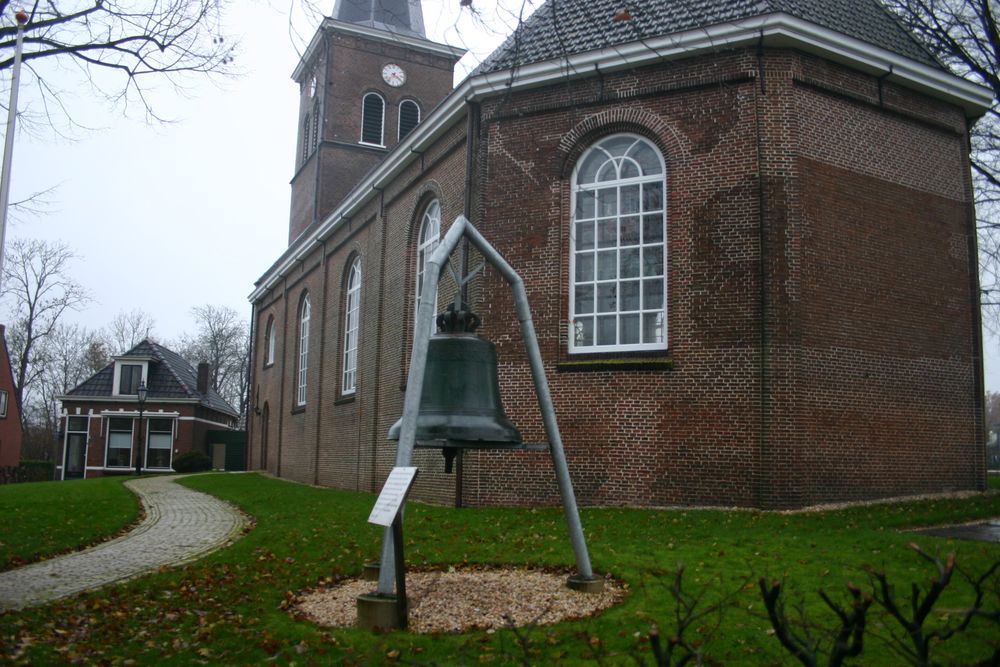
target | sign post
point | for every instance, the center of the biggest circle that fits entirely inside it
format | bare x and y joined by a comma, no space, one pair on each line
388,512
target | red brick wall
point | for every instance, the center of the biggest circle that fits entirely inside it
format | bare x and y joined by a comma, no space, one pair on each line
820,319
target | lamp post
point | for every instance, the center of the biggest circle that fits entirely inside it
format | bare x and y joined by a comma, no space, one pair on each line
141,391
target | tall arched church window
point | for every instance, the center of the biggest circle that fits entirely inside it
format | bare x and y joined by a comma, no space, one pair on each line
302,365
618,281
352,316
269,342
409,117
427,241
372,119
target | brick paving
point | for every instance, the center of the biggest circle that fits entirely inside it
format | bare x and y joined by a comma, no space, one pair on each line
180,526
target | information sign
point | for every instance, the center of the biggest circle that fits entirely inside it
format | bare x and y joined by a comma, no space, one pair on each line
393,495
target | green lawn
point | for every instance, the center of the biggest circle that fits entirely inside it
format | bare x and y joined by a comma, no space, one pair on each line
45,518
229,608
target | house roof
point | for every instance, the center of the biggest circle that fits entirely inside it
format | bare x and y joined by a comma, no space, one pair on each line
558,29
394,15
170,377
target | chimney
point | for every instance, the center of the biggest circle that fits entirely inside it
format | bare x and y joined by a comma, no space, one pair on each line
203,377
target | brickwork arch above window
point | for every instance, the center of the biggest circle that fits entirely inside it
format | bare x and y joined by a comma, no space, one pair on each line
618,251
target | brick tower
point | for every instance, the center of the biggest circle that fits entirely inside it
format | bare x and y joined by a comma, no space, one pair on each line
367,78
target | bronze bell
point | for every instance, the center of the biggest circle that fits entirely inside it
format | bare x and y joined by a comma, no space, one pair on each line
460,401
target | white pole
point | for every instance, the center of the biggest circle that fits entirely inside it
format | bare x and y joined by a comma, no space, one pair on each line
8,143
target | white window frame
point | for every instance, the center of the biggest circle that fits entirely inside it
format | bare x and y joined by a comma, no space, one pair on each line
399,120
116,380
302,368
131,443
381,131
427,241
149,441
352,316
3,403
588,288
269,342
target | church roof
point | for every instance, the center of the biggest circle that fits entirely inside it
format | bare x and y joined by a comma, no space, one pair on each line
170,377
561,28
403,16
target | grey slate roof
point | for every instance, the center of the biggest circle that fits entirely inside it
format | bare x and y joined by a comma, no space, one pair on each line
560,28
403,16
170,376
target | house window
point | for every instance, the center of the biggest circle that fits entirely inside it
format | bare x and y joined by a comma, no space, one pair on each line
303,366
269,342
352,312
159,443
119,454
3,403
409,117
372,119
427,241
618,251
129,377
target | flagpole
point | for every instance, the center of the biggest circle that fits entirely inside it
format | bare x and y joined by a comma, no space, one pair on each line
8,145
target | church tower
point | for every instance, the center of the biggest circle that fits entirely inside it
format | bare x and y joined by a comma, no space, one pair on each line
366,80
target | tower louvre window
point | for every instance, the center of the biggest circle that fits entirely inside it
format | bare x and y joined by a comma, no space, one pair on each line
409,117
372,119
315,126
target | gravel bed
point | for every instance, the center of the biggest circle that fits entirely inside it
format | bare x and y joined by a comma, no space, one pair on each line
456,601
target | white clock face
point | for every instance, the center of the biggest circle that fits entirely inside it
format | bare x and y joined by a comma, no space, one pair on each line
393,75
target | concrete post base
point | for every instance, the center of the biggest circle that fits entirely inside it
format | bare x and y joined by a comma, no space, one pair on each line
371,571
378,612
578,583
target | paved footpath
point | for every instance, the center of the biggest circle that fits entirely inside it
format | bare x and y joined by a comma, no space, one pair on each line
180,525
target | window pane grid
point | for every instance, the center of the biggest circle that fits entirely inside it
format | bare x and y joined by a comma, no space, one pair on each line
300,395
430,235
618,259
353,311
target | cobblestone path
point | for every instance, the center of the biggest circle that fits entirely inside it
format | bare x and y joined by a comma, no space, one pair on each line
180,525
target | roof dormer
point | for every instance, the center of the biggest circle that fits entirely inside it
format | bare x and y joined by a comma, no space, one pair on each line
129,372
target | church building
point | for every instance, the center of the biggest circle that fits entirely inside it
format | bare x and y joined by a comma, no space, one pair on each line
746,230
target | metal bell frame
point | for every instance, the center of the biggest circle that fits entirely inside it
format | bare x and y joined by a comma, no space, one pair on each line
423,330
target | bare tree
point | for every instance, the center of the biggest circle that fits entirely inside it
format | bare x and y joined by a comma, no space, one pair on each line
128,329
39,290
116,47
223,340
963,34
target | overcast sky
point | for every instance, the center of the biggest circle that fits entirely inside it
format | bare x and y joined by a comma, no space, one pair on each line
166,217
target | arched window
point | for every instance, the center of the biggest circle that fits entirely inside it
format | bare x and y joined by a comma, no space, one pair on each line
352,314
618,248
269,342
302,368
409,117
427,240
372,119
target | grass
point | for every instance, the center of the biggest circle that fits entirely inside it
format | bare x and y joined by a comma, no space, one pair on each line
46,518
230,608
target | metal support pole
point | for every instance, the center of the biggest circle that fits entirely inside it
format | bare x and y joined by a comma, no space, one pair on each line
8,143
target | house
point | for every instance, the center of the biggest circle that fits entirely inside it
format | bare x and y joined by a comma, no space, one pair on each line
746,230
100,423
11,430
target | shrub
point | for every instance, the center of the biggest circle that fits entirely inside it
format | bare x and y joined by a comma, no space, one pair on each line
192,462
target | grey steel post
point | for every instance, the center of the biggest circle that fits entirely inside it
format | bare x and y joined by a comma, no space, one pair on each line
8,144
415,380
570,510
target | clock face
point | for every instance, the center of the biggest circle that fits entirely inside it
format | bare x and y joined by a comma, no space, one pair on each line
393,75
